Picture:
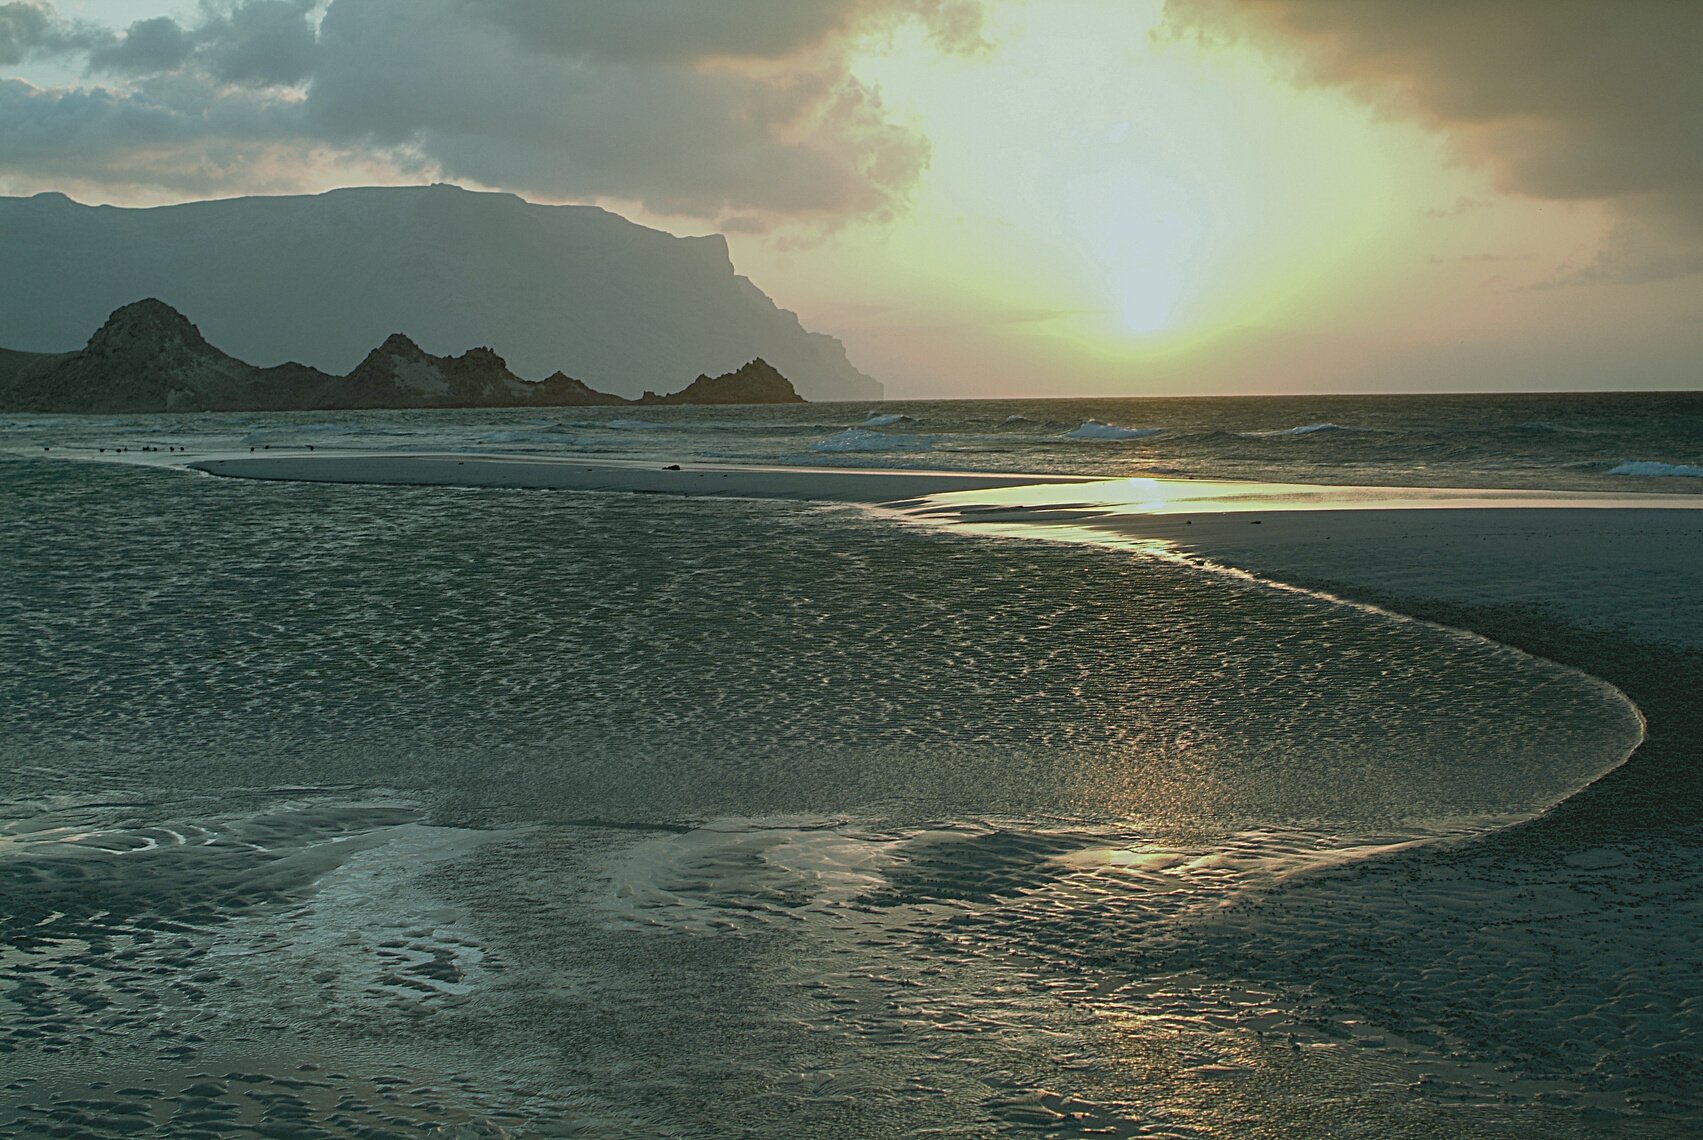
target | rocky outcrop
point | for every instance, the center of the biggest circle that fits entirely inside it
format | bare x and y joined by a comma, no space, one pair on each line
411,377
558,388
148,357
322,278
756,383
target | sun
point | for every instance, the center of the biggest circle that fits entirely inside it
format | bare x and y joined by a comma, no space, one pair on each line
1147,302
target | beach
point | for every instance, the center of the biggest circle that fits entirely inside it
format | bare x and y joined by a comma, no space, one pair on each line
533,791
926,568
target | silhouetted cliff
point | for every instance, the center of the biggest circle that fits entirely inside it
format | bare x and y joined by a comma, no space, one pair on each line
756,383
322,278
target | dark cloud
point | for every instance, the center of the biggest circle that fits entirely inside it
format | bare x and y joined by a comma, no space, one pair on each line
30,29
746,112
662,31
266,42
1563,99
593,100
25,30
148,46
176,132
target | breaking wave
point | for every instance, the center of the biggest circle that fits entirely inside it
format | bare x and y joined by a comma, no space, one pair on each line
1096,430
1302,429
1651,469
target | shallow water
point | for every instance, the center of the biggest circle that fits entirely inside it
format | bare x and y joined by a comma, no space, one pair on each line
330,807
1595,442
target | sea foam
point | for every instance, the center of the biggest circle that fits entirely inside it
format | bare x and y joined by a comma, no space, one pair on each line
1651,469
1302,429
862,439
1096,430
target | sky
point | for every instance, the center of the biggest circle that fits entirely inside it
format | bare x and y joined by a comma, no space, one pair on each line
986,197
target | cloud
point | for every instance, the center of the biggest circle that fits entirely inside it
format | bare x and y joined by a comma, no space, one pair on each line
176,132
31,29
545,116
256,43
663,31
264,42
1561,99
148,46
746,112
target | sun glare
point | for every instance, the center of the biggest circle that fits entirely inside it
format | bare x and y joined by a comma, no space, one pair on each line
1097,180
1149,302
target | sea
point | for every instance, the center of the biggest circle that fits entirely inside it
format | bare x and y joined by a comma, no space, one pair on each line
341,810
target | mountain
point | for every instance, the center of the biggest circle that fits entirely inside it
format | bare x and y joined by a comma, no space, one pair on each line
148,357
321,278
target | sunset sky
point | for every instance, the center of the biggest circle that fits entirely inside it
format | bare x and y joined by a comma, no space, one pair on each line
1057,197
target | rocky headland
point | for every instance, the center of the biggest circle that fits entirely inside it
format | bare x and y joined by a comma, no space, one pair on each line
148,357
321,278
756,383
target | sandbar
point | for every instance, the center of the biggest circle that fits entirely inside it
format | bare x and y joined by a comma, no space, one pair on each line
1632,563
853,485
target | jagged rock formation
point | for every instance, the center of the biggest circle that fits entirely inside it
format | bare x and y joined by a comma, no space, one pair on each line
560,389
322,278
148,357
476,378
756,383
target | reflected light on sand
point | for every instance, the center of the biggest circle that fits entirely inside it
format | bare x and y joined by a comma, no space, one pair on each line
1150,495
